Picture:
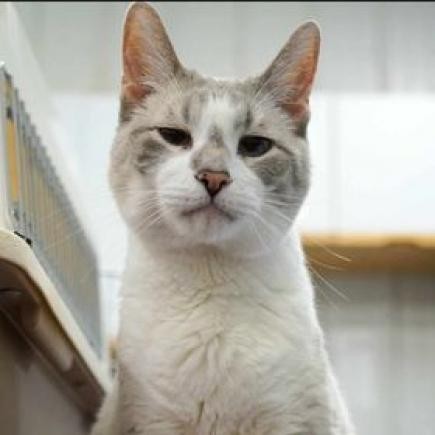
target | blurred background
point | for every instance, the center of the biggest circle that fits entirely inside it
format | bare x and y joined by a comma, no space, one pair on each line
372,138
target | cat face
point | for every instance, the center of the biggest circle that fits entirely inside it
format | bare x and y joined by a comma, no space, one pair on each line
199,161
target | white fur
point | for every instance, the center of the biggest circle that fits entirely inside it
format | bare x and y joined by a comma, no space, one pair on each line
219,112
214,346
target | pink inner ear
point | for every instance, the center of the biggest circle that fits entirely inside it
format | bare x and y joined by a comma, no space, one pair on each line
148,55
133,92
293,71
298,111
134,69
301,82
133,62
133,88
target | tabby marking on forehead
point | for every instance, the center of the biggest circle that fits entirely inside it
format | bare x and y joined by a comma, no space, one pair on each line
244,120
193,104
215,137
217,118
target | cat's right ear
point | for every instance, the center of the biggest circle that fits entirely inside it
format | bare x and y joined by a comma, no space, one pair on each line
149,59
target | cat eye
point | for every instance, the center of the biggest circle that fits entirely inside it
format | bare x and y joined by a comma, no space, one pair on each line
254,146
175,136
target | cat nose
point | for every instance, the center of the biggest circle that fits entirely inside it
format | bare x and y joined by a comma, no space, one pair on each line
213,181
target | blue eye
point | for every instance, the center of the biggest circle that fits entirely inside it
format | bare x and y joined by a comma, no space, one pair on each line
254,146
175,136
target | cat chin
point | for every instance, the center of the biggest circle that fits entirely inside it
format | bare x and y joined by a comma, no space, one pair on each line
205,226
233,238
239,248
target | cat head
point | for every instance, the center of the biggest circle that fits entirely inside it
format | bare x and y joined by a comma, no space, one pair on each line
205,162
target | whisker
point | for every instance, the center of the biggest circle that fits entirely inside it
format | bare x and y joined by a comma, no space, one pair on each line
327,266
278,214
330,251
328,284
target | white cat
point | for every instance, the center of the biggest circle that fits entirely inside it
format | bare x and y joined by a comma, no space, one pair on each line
219,333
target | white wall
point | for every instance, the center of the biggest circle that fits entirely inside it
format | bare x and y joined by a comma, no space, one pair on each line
367,46
373,157
381,340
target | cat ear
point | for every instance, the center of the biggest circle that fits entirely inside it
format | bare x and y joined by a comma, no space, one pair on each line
148,56
290,76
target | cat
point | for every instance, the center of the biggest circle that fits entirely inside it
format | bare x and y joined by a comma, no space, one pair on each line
219,333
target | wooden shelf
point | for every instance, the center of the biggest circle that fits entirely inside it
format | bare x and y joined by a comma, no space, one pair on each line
410,253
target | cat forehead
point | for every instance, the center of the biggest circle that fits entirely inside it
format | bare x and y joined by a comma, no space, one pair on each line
225,107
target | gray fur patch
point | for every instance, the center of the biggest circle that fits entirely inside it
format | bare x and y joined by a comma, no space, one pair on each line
301,129
125,110
271,169
300,171
244,121
147,152
284,171
216,138
193,105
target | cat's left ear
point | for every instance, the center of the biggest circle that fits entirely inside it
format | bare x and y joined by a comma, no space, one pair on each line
290,77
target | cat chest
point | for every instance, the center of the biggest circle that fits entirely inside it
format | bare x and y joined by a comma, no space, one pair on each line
217,360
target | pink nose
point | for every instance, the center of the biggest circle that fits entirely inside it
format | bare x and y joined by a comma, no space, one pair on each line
213,181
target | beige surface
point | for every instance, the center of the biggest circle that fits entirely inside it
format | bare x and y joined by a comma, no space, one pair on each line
33,401
15,251
21,303
57,369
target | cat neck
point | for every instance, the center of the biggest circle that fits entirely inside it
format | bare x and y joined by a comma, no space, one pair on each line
206,266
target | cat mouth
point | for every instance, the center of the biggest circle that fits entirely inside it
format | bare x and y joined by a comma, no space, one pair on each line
210,210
